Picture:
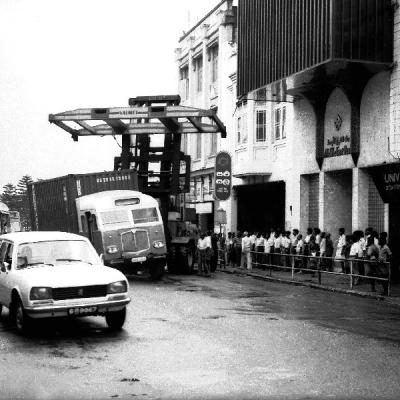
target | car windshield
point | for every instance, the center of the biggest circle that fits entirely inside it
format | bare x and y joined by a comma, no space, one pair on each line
55,252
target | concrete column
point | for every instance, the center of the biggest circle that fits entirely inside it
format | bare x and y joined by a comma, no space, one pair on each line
359,199
386,218
321,200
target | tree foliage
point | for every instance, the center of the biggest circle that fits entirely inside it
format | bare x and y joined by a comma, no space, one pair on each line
16,198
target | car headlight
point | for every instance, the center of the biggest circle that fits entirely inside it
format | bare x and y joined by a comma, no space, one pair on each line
112,249
117,287
40,293
158,244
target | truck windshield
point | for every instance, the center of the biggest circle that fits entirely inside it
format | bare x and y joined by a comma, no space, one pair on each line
114,217
55,252
144,215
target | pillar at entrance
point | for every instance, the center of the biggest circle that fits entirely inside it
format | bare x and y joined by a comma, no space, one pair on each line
360,199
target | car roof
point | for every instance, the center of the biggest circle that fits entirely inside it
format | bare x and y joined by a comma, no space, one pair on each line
34,236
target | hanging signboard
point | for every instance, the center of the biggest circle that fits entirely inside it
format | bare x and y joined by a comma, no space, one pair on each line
387,181
223,176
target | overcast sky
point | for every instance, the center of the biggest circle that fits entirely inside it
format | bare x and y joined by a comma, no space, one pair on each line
59,55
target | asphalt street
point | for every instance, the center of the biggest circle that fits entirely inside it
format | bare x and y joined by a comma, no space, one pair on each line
230,336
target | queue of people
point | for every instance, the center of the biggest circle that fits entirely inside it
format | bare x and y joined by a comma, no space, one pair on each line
365,253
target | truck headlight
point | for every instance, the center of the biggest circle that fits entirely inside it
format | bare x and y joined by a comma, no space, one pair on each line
112,249
117,287
40,293
158,244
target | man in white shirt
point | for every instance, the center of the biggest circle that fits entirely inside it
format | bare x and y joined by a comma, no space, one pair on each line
203,245
246,252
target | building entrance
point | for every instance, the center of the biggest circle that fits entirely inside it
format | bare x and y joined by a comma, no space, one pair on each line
261,206
338,201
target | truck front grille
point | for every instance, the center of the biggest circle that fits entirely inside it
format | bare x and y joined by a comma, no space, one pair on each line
79,292
135,241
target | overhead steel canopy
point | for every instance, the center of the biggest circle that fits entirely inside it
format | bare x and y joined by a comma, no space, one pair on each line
138,120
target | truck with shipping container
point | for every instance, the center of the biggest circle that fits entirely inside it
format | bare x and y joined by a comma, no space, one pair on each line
151,130
124,225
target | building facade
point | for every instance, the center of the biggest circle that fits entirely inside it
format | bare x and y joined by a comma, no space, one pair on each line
207,60
333,65
314,129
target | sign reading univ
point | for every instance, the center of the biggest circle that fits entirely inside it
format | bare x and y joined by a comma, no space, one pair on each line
387,181
223,176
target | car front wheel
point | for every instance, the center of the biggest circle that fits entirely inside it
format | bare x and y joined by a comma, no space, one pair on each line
116,319
22,321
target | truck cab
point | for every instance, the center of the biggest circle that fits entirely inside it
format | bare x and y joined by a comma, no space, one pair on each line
126,227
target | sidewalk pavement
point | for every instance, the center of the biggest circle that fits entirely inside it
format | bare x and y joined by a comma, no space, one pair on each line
334,283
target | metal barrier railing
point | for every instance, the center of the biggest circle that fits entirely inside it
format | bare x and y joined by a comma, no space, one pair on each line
350,267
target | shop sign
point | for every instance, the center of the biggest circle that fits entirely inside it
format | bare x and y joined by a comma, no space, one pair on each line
204,208
223,176
337,131
337,146
387,181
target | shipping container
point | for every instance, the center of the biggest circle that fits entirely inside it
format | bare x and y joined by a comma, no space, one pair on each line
52,201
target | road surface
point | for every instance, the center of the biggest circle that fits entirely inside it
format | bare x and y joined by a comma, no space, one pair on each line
230,336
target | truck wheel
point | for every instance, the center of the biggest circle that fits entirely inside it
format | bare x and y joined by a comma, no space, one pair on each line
22,321
156,270
116,319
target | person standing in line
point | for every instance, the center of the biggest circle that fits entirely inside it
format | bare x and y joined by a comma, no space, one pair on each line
293,240
314,253
385,255
328,251
299,251
237,243
317,234
322,249
340,249
372,258
268,246
259,246
246,252
277,248
229,249
306,247
285,248
253,237
209,253
202,245
214,253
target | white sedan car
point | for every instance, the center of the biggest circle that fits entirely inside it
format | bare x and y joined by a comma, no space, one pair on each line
57,274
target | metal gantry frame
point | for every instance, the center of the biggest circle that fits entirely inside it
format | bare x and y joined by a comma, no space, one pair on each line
146,116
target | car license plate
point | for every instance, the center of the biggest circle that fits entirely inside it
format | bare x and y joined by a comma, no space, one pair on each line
82,310
138,259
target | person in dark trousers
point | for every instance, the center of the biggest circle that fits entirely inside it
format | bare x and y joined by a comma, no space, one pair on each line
372,258
214,254
237,246
328,251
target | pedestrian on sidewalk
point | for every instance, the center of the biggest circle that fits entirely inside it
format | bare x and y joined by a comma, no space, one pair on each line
276,258
340,249
246,252
202,245
328,251
372,258
383,267
299,252
229,249
214,252
237,245
259,247
285,248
